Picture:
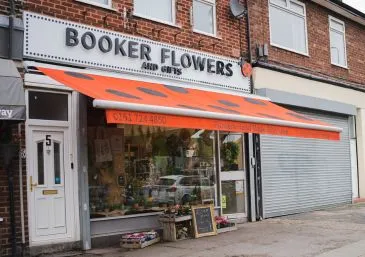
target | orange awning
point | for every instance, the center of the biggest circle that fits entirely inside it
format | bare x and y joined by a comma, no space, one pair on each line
153,104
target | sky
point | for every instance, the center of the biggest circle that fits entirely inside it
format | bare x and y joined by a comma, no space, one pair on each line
358,4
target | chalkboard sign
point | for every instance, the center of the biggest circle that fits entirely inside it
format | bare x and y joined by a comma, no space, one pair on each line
203,221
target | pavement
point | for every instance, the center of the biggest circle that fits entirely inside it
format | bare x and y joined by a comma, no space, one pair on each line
335,232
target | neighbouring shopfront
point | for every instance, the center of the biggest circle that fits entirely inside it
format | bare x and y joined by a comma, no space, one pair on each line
12,114
156,125
302,175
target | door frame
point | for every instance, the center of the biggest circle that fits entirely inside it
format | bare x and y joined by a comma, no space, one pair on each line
49,125
238,216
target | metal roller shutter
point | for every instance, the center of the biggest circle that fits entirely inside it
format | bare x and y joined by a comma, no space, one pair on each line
300,175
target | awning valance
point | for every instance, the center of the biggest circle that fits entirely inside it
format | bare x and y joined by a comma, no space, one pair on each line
12,100
145,103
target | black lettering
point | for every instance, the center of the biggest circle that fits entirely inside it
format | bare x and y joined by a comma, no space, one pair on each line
132,49
185,60
164,55
173,59
71,37
178,72
219,68
229,71
211,65
108,41
154,67
199,63
119,47
84,42
144,65
145,52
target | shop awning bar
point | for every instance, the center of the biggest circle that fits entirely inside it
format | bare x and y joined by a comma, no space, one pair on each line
145,103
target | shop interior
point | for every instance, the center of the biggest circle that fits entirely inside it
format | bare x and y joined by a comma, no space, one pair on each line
136,169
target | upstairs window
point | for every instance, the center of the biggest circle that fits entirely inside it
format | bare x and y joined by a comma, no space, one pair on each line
100,3
288,25
337,42
156,10
204,16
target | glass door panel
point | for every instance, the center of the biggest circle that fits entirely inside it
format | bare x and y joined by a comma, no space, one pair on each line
233,197
232,174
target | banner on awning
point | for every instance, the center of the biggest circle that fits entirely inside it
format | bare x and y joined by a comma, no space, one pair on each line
8,112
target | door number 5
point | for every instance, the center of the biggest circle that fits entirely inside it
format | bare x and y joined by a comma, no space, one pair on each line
48,140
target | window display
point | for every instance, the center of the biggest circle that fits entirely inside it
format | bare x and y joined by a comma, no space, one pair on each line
231,151
139,169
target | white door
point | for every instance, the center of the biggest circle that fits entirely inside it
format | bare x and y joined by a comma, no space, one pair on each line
233,175
51,196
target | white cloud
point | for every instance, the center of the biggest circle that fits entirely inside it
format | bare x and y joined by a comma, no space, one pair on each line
358,4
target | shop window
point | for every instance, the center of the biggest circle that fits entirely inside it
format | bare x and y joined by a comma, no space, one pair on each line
157,10
100,3
204,16
288,25
48,106
231,152
139,169
337,42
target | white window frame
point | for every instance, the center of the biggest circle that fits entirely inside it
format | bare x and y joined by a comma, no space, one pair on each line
212,3
173,14
108,6
287,9
331,18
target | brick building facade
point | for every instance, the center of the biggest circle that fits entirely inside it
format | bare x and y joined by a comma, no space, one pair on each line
318,61
5,228
308,78
121,19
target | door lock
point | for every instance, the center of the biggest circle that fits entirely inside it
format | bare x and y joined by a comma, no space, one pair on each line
31,184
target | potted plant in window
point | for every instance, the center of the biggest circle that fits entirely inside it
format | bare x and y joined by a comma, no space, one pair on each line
230,152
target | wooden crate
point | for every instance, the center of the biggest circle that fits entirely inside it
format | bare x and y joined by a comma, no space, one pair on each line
169,226
228,229
138,245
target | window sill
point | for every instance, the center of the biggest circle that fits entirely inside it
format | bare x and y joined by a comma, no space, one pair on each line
340,66
289,49
127,216
206,34
156,20
97,5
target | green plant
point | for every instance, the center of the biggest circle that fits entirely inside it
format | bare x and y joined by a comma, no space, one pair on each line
230,152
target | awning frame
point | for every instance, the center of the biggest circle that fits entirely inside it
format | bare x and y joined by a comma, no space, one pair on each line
113,105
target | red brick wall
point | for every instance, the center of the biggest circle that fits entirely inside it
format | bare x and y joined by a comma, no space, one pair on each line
5,226
5,7
227,43
319,61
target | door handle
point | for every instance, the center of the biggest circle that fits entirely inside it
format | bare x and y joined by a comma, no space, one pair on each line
32,184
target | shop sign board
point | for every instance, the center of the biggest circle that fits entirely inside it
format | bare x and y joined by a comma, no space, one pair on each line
60,41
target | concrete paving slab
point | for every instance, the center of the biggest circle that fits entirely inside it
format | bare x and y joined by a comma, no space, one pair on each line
336,232
351,250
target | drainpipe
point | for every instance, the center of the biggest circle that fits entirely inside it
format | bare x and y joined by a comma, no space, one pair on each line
11,27
21,188
255,137
248,39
